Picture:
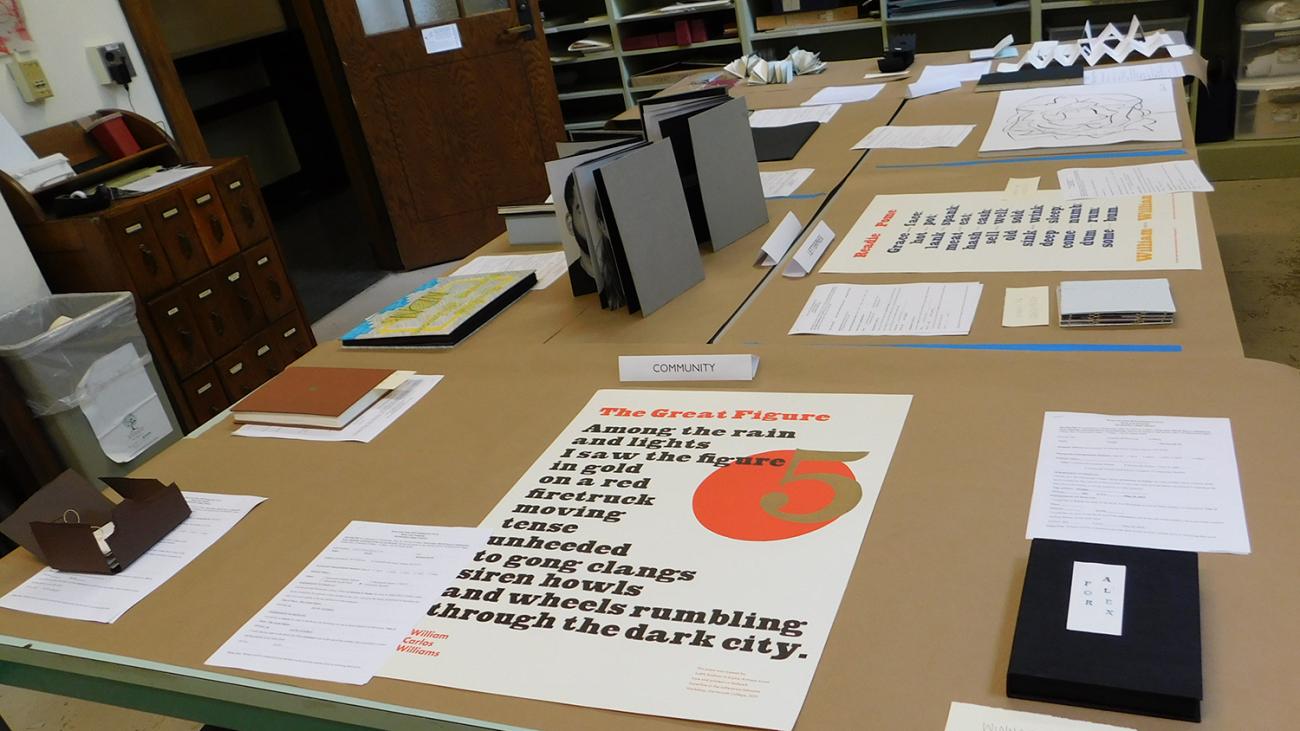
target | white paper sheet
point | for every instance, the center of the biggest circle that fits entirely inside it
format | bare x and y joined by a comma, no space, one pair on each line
786,116
345,614
958,72
441,38
844,94
780,183
1133,72
15,153
932,86
371,423
105,598
1040,232
914,137
122,407
887,76
1026,307
889,309
549,267
1003,48
163,178
1181,176
1146,481
1115,295
780,240
670,544
970,717
1083,116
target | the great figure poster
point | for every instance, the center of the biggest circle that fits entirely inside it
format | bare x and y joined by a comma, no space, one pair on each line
671,553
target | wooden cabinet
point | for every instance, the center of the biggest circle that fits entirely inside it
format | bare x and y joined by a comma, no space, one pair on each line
214,301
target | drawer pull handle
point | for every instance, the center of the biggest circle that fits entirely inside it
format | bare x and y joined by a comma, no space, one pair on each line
150,261
204,389
277,293
250,309
247,211
218,230
170,213
133,228
218,322
187,246
203,199
236,185
236,368
187,340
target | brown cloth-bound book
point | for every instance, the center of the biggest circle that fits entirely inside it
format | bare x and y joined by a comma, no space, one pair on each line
319,397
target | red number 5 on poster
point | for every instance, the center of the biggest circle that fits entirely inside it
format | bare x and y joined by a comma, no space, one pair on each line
784,494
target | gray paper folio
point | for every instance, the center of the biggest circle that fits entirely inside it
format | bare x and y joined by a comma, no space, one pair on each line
645,195
727,166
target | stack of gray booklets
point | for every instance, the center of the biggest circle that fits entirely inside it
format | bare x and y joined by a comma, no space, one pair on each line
1110,302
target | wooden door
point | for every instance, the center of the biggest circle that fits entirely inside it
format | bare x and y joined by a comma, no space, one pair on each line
452,134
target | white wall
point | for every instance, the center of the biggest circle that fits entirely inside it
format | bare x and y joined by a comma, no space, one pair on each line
61,30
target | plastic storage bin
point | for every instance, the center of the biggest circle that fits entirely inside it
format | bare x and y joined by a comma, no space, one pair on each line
90,380
1269,50
1268,108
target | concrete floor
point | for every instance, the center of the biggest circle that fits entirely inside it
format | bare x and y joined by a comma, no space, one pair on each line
1259,236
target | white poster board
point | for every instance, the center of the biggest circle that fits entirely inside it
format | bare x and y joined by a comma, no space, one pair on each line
1029,232
1083,116
638,566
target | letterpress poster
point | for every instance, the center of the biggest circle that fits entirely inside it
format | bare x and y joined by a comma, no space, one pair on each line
672,553
1032,232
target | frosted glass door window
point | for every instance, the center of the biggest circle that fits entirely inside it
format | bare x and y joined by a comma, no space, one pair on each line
383,16
434,11
478,7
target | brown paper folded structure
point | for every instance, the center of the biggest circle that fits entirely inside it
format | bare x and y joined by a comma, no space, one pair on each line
58,523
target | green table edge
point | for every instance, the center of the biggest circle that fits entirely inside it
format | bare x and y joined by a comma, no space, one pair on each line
207,697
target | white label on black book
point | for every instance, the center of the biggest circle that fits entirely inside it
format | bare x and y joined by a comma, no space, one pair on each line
1097,599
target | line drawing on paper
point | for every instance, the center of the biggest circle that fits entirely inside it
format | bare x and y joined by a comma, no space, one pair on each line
1072,116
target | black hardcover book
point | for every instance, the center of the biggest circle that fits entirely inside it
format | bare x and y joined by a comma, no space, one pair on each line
1028,77
782,143
1135,645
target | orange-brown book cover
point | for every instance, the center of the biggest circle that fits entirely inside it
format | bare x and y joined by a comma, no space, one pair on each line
314,391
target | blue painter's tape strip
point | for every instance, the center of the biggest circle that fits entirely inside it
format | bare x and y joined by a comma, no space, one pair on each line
1045,347
1040,158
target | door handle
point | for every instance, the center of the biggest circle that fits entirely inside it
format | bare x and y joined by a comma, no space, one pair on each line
525,28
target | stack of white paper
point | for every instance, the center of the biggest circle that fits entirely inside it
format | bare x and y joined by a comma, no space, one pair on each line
785,117
1182,176
844,94
369,424
915,137
889,309
549,267
781,183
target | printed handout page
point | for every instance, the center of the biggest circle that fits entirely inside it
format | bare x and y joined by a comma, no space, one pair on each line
889,309
1029,232
786,116
914,137
1083,115
345,614
677,515
781,183
1147,481
970,717
956,72
369,424
549,267
1180,176
106,597
844,94
1133,72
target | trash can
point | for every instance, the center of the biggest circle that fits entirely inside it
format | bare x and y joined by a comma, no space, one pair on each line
84,366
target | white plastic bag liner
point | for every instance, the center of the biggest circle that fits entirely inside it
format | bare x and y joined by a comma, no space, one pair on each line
122,406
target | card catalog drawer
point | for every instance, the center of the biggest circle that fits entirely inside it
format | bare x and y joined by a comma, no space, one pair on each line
213,313
209,218
233,277
265,353
293,337
138,245
243,200
174,320
205,394
270,280
176,234
242,371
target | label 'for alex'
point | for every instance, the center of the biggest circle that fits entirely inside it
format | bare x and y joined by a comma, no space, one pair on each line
733,367
1096,599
